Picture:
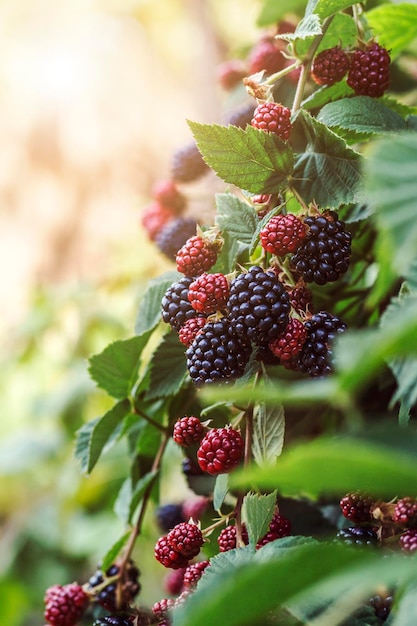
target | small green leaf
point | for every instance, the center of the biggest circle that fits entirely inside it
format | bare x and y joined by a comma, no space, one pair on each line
97,434
395,25
116,368
221,489
130,496
268,433
113,552
251,159
326,94
325,8
257,513
307,28
229,254
168,368
328,171
149,313
362,114
236,217
406,607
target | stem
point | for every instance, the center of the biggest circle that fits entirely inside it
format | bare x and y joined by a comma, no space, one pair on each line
306,66
146,417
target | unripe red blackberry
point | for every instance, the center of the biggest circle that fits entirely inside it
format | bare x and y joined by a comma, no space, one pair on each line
324,255
194,508
356,507
188,332
188,430
221,450
65,605
273,118
188,164
186,539
408,540
315,357
209,293
230,73
330,66
266,55
176,308
167,193
279,527
174,234
405,512
174,581
258,305
358,535
162,607
301,298
369,71
227,538
282,234
196,256
193,573
288,345
217,354
168,556
154,217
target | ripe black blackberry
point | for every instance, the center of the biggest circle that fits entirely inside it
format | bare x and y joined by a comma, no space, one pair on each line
240,117
358,536
405,512
114,620
315,357
356,507
107,596
369,71
217,354
174,234
382,606
188,164
176,308
258,305
324,255
168,516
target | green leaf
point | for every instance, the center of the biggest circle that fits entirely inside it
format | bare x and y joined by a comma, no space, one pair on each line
272,11
113,552
328,171
395,25
168,368
236,217
325,94
96,435
335,466
115,369
230,252
236,594
364,115
221,489
268,432
391,186
149,313
307,28
130,496
257,513
406,608
325,8
251,159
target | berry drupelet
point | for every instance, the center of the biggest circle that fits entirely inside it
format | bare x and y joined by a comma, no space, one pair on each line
273,118
221,450
315,357
324,255
258,305
217,354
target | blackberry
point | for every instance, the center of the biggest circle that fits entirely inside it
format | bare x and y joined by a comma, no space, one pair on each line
217,354
107,596
186,539
188,430
358,535
301,298
324,255
188,332
162,607
197,255
382,606
168,556
155,217
220,450
405,512
194,508
176,308
230,73
282,234
408,540
356,507
174,234
240,117
191,468
168,195
273,118
279,527
174,581
209,293
288,345
188,164
315,357
330,66
65,605
227,538
193,573
369,71
168,516
258,305
113,620
266,55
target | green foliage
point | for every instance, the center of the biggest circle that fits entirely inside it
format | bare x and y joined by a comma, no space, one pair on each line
268,432
395,25
257,512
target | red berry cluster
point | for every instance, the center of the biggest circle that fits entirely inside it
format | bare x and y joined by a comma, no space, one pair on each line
65,605
181,544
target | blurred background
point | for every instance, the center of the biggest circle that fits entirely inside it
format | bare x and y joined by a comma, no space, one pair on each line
94,97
